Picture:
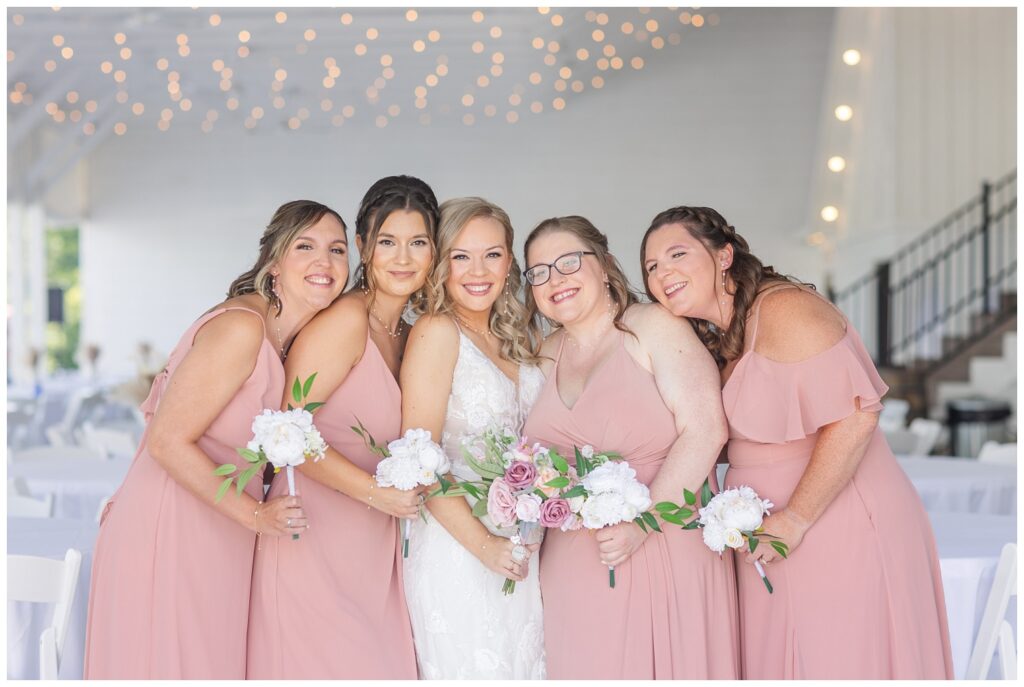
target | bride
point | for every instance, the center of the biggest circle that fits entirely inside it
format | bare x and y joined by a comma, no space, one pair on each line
467,368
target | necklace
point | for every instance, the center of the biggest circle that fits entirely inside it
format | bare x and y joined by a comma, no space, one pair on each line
486,333
597,340
393,334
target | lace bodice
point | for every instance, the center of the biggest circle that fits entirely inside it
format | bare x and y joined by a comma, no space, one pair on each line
483,397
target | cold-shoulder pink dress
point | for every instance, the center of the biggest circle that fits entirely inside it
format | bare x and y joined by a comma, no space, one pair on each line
169,596
861,597
331,605
673,612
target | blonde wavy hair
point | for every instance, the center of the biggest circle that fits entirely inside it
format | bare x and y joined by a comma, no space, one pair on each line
508,315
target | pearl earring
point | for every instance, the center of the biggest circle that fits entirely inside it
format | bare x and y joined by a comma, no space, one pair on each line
723,284
505,307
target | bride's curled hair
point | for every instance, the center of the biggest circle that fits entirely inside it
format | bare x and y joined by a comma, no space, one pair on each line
508,316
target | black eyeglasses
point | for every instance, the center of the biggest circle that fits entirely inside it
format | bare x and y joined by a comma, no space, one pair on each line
565,264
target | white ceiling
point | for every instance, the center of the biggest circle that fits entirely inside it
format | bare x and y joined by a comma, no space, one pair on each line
482,61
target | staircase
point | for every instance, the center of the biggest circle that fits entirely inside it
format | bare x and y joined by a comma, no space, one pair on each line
940,316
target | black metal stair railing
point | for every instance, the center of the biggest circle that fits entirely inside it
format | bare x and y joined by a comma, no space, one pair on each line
948,285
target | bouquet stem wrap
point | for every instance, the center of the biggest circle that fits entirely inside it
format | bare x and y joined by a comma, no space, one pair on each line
405,538
289,471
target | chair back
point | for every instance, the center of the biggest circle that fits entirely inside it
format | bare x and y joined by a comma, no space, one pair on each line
995,632
44,580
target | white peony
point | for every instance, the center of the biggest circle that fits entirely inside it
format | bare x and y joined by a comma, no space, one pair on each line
611,476
528,507
422,454
714,537
637,495
606,508
742,514
400,472
284,444
733,538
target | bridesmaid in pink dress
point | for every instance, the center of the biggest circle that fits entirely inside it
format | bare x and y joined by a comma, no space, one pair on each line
628,378
171,568
860,595
331,605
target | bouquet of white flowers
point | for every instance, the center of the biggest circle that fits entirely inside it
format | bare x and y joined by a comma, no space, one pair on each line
731,518
283,438
406,463
612,495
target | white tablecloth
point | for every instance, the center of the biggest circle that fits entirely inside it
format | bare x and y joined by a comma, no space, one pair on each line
51,538
78,485
969,547
962,485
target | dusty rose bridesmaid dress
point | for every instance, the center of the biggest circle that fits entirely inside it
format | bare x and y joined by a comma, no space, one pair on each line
673,612
170,576
861,597
332,604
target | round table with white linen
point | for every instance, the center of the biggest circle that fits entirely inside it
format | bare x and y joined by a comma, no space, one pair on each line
50,538
962,485
78,484
969,547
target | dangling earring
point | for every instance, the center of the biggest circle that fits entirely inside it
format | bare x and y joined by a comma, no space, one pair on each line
504,305
276,301
362,279
723,284
608,296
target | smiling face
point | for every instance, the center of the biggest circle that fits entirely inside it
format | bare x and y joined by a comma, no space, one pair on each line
314,269
680,272
401,255
567,298
478,265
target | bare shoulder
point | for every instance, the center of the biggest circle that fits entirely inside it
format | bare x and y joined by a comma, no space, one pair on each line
549,347
241,325
345,318
655,325
795,324
435,328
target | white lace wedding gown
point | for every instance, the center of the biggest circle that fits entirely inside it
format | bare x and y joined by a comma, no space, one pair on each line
463,625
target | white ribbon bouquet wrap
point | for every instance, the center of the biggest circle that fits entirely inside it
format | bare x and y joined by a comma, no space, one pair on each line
283,438
408,462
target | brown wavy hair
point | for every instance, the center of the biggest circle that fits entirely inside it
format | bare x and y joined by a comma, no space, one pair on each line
289,220
749,275
401,192
622,294
508,315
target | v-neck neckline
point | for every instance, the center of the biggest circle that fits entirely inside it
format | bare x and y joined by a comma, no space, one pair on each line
384,362
593,373
519,368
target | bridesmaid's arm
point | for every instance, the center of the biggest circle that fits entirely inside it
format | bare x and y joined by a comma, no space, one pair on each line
688,381
427,372
223,355
330,345
841,445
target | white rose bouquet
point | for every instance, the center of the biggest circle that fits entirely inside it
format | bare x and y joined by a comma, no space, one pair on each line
283,438
612,494
411,461
732,519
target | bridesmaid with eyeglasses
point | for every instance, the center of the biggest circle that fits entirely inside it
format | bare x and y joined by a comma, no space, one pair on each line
626,377
860,594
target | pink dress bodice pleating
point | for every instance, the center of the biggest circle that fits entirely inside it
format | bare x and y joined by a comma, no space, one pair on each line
331,605
170,578
672,613
861,596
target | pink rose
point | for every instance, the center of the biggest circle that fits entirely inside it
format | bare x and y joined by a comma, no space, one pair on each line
520,474
554,512
501,504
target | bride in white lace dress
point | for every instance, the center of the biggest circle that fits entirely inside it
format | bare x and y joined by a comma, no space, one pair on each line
467,368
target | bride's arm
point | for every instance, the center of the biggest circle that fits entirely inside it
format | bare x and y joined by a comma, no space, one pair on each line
426,379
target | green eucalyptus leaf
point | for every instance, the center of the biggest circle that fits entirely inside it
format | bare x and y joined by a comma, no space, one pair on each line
780,548
308,385
480,508
672,518
685,512
559,463
666,507
558,483
297,391
689,497
651,521
692,525
640,521
752,543
225,469
578,490
224,486
705,493
311,407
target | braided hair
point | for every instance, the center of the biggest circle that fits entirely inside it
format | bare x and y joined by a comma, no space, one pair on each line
748,274
400,192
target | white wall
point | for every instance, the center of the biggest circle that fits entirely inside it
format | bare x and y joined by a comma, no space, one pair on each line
729,122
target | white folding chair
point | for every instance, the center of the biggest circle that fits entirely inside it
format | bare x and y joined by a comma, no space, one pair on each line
894,414
107,441
29,507
54,452
903,442
926,433
995,632
994,452
103,505
44,580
